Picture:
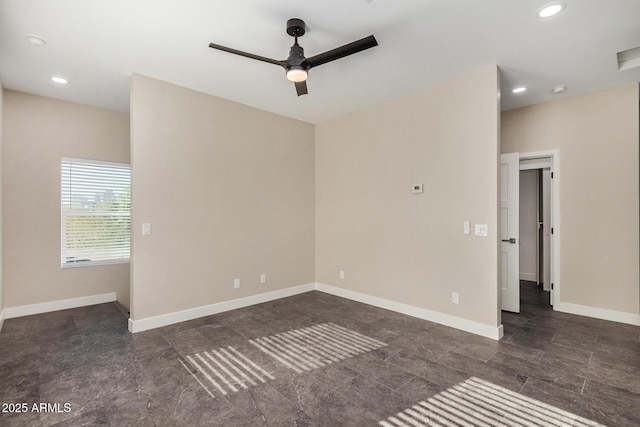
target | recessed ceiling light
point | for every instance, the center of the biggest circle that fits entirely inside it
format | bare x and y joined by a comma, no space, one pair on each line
558,89
519,89
60,80
550,10
36,41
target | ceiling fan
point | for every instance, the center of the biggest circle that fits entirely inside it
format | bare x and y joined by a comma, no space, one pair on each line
296,65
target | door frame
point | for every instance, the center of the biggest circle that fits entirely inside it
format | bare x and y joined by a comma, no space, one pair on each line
554,165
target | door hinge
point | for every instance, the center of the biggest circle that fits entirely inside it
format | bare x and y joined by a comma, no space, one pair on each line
551,175
552,286
551,230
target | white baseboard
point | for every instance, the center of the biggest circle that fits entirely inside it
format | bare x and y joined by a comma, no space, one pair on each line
493,332
598,313
207,310
1,319
46,307
194,313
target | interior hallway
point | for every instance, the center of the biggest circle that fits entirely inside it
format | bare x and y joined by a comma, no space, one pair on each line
316,359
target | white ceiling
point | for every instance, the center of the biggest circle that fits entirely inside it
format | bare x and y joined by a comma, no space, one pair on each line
97,44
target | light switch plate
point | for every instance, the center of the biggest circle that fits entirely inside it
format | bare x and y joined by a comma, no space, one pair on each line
467,227
416,188
482,230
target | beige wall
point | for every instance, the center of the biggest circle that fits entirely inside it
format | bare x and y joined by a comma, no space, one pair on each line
1,200
404,247
597,135
38,131
229,191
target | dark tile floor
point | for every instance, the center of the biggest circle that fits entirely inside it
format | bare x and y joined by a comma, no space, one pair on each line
315,359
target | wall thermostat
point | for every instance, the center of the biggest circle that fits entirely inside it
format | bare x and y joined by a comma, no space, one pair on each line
416,188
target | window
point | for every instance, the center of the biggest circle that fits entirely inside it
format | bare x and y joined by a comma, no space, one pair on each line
96,212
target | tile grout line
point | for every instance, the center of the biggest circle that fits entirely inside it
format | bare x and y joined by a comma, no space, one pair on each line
523,384
406,382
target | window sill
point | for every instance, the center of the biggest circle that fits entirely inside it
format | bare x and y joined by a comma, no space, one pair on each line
82,264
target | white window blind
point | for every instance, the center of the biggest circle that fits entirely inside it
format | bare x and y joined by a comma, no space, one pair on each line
96,212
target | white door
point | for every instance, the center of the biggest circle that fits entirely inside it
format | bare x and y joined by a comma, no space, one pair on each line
510,231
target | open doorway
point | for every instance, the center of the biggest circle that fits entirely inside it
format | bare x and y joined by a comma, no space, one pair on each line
542,169
535,228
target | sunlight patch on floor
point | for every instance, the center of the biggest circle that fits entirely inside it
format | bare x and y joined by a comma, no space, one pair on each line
479,403
315,346
225,370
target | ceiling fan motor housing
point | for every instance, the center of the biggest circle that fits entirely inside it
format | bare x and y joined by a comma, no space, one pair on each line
296,55
296,28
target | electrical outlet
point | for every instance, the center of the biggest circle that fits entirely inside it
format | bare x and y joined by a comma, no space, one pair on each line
263,278
455,298
236,283
146,229
341,275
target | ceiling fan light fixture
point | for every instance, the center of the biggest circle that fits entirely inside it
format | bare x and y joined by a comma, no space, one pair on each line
297,74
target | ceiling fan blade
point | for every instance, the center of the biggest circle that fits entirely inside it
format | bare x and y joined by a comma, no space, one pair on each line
342,51
246,55
301,88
